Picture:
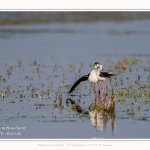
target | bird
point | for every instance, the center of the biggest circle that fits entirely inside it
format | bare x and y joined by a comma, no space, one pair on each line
94,76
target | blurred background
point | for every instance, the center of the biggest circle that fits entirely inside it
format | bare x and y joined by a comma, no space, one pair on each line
26,17
89,33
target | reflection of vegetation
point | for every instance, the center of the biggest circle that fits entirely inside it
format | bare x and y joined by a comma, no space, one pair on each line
40,117
12,101
131,110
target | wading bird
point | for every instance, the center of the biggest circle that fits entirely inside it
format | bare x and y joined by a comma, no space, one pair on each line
94,76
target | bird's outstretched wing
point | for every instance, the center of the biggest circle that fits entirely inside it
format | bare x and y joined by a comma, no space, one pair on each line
106,74
83,78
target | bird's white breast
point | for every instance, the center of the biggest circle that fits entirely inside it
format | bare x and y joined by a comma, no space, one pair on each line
93,77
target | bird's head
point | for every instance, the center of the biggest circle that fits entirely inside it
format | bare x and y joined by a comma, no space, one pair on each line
100,67
96,65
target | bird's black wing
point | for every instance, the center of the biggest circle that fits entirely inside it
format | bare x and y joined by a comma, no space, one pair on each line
106,74
84,78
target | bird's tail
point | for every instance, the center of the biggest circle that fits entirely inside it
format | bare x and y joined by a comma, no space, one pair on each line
112,74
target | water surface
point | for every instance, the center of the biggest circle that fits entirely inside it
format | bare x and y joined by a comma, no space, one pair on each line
48,57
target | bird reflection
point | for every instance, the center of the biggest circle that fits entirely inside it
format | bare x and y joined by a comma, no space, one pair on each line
100,119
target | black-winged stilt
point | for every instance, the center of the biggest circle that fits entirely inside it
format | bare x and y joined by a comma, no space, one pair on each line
94,76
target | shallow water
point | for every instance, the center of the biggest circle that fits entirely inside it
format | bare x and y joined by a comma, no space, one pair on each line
64,52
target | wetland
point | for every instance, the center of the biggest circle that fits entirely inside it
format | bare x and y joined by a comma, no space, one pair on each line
42,54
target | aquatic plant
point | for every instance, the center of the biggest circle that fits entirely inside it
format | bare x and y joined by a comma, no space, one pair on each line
99,108
19,63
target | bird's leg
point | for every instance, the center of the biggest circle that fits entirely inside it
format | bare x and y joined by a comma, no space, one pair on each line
91,90
104,87
98,90
99,87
